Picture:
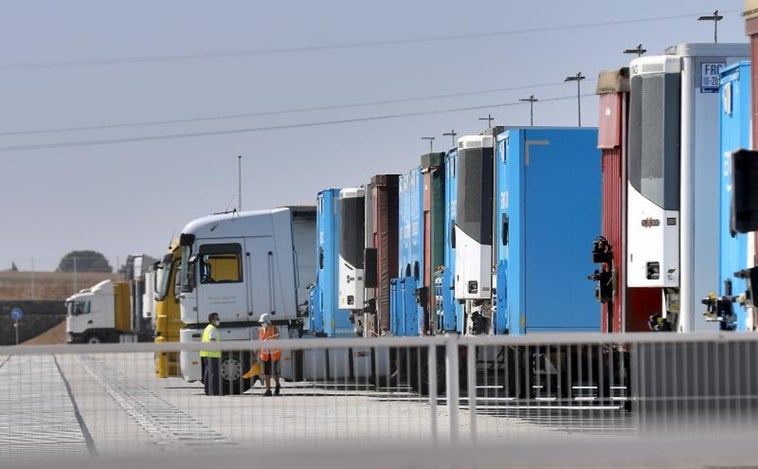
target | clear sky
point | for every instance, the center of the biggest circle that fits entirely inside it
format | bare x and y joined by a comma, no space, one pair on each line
361,84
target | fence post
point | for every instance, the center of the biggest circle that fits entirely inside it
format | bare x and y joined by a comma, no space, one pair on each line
451,371
432,364
471,381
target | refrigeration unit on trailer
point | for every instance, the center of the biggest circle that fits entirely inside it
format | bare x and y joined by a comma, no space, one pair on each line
623,309
352,238
242,265
673,191
472,235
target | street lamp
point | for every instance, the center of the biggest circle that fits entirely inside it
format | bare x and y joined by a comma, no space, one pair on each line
637,50
578,79
451,134
431,143
715,17
531,100
489,120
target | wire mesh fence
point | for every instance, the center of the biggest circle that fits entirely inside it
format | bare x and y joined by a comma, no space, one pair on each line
480,396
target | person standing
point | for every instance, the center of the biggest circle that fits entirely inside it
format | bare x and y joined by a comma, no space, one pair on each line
269,357
210,359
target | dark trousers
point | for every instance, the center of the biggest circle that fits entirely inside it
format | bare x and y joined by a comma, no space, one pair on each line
211,378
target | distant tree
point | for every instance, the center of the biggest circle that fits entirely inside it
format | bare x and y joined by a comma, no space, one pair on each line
13,267
84,261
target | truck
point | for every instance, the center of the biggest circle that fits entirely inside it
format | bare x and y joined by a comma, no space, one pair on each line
167,319
113,311
242,265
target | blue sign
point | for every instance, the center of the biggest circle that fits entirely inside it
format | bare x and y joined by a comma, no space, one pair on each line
17,314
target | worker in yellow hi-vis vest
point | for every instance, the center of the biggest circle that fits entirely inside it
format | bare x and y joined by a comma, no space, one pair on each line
210,359
269,357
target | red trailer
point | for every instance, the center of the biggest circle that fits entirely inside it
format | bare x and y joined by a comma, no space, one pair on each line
381,250
623,309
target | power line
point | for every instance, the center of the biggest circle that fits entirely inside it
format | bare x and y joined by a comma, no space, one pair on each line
325,47
270,113
85,143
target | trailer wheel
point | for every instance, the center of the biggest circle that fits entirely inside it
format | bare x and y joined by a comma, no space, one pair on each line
418,370
233,365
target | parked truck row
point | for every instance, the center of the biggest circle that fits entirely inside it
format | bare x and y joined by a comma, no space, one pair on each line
498,236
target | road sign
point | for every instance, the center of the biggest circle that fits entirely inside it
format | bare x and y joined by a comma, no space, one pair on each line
17,313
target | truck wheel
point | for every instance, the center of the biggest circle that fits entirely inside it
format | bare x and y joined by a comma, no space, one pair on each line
94,339
233,365
418,370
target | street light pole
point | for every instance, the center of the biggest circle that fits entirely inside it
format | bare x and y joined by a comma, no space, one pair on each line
239,183
637,50
489,120
715,17
451,134
578,79
431,143
531,100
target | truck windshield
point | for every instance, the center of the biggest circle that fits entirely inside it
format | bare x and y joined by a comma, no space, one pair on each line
186,277
75,308
163,277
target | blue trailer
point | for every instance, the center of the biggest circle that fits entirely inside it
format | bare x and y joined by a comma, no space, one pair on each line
735,114
449,311
548,191
326,319
406,313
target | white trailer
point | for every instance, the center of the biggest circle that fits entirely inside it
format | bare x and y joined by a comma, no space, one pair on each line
673,167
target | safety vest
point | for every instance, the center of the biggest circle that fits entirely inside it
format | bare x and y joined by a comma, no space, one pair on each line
266,334
210,329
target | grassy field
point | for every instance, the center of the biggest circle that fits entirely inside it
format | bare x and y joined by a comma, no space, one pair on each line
47,285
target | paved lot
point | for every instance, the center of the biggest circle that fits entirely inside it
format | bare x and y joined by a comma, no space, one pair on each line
112,404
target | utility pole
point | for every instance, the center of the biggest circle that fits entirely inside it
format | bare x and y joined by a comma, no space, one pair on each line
578,79
531,100
451,134
715,17
637,50
489,120
239,183
431,143
76,289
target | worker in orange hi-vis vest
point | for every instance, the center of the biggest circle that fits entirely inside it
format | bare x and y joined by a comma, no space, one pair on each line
269,357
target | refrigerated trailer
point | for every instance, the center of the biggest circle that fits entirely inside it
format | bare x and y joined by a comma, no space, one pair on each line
672,203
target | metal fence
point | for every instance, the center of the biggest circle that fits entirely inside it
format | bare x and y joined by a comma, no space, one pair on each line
659,399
